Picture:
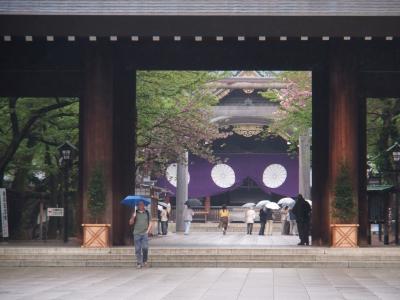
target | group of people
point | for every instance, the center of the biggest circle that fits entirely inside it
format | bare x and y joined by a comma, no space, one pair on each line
266,220
299,216
294,220
288,221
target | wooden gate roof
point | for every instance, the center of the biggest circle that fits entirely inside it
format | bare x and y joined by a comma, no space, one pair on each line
228,18
203,7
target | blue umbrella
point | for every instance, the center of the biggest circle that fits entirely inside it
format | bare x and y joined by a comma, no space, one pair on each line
133,200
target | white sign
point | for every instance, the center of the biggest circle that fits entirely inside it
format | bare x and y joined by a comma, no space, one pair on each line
55,212
3,213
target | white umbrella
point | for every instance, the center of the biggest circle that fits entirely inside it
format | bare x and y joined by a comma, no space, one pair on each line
287,202
262,203
272,205
249,204
193,202
309,202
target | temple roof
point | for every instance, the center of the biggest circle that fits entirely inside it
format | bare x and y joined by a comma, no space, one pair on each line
202,7
240,101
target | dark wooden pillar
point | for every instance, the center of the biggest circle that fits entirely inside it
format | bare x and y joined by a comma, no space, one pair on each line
320,151
207,207
344,116
207,204
364,229
123,148
107,133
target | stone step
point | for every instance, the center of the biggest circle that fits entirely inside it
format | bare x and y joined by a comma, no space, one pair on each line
197,257
381,252
202,263
395,251
203,257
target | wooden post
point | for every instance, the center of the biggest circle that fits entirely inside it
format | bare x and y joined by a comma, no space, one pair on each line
181,190
304,166
41,217
344,119
154,209
320,142
124,126
107,134
363,220
207,207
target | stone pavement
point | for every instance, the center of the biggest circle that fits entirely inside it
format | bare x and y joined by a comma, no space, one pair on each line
199,283
231,239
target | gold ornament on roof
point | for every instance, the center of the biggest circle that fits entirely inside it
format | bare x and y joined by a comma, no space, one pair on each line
247,130
248,91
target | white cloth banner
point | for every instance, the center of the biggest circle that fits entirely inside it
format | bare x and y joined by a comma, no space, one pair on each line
3,213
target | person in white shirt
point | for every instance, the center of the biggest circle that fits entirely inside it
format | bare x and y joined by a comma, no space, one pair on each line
284,219
187,218
164,221
169,208
250,216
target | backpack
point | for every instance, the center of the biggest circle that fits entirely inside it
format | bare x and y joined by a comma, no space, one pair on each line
134,220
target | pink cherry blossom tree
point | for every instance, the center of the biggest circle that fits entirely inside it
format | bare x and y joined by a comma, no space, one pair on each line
293,117
174,112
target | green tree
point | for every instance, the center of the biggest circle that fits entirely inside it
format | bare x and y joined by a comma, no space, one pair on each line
97,193
24,120
344,208
383,131
30,131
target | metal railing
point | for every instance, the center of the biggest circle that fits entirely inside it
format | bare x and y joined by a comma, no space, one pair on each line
237,214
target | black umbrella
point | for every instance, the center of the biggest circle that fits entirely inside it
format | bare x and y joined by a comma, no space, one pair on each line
193,202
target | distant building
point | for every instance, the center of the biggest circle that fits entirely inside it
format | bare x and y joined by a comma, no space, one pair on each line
253,167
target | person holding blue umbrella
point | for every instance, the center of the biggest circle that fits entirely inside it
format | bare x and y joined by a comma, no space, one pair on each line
141,222
133,200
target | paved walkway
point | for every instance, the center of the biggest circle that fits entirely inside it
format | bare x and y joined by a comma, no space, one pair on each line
187,284
195,239
231,239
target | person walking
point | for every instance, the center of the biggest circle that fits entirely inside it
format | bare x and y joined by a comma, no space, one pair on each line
284,219
224,218
249,218
42,222
169,209
292,222
270,220
159,222
164,221
188,214
263,220
140,220
302,211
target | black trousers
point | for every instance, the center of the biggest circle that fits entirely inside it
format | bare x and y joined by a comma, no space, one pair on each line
249,228
303,228
164,227
262,228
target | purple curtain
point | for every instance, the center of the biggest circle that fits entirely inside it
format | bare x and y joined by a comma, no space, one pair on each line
244,165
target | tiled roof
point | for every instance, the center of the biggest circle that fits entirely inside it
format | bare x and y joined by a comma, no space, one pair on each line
202,7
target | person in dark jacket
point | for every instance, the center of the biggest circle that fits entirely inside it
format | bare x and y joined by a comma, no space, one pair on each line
270,220
302,211
292,222
263,220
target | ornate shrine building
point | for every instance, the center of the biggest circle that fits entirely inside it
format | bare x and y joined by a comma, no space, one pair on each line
254,165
